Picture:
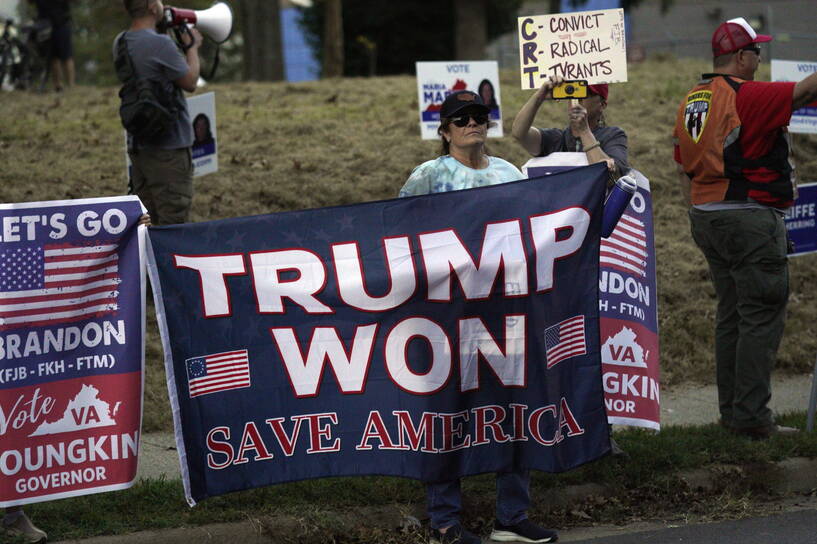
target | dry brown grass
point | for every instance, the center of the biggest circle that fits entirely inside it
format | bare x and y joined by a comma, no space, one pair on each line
294,146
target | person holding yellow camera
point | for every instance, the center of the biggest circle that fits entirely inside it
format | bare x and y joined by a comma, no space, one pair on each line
586,131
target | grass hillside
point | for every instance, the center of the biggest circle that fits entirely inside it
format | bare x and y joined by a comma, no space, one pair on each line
290,146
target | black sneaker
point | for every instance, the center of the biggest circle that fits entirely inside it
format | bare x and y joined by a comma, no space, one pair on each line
455,535
524,531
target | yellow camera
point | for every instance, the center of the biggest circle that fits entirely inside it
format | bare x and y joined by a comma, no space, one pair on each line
575,88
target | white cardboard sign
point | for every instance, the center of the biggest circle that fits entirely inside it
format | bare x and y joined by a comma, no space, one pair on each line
583,45
436,80
804,120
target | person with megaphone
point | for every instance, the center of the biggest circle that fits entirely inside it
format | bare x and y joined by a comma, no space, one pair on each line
159,141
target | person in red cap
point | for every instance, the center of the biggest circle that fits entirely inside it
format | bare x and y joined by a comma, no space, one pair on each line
732,151
586,130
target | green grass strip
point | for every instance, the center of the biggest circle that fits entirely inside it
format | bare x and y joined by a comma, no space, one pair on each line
655,459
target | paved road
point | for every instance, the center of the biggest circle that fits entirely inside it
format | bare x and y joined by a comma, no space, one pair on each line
792,527
788,528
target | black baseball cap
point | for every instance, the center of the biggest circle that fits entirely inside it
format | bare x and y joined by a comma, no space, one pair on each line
458,101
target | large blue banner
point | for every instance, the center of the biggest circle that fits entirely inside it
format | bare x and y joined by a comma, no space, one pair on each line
428,337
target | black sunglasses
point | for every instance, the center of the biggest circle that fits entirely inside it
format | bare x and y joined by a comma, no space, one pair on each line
753,48
462,120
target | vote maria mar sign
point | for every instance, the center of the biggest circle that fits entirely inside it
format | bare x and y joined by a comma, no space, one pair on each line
804,120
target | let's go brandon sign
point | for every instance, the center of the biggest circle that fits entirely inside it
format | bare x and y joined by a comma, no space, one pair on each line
72,295
428,337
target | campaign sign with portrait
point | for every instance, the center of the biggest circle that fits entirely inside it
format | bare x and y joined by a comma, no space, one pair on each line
436,80
72,294
588,45
804,120
801,220
387,338
202,109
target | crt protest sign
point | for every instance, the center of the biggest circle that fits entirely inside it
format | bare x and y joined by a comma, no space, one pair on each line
72,297
584,45
628,304
436,80
804,120
393,338
801,220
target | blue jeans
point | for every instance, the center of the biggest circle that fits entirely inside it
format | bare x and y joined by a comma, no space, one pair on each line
444,499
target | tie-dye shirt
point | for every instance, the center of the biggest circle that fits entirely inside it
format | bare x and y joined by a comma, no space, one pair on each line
448,174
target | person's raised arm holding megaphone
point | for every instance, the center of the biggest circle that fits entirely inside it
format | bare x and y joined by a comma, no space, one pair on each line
159,130
586,130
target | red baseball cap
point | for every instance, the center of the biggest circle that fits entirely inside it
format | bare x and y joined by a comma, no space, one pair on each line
735,34
601,89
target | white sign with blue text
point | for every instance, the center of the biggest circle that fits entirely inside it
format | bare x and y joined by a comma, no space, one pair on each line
804,120
436,80
801,220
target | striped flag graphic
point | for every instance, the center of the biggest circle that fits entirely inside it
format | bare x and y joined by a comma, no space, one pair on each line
218,372
626,248
57,284
565,340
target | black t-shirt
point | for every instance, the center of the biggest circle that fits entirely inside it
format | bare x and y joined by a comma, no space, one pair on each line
56,11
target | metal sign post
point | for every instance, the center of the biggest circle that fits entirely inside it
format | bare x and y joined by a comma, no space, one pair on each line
812,403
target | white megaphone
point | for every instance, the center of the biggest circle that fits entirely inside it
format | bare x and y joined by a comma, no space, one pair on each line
216,22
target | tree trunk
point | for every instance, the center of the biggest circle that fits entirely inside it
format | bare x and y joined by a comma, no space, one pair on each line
470,29
333,39
260,22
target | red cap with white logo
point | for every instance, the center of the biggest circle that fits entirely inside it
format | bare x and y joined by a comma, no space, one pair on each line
733,35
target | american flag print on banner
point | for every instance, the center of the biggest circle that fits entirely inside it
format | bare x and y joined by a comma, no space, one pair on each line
51,284
565,340
218,372
626,248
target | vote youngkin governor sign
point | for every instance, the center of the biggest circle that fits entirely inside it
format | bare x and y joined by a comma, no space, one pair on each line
428,337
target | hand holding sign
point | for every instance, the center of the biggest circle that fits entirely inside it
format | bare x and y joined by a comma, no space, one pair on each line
588,45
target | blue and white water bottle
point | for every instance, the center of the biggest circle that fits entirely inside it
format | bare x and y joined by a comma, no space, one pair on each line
617,201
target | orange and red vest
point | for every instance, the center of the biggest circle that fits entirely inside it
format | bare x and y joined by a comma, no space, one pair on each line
707,129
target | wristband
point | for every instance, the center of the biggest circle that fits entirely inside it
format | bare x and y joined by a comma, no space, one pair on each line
594,146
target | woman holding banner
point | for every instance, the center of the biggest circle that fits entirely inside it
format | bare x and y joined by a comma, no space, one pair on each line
586,130
464,164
